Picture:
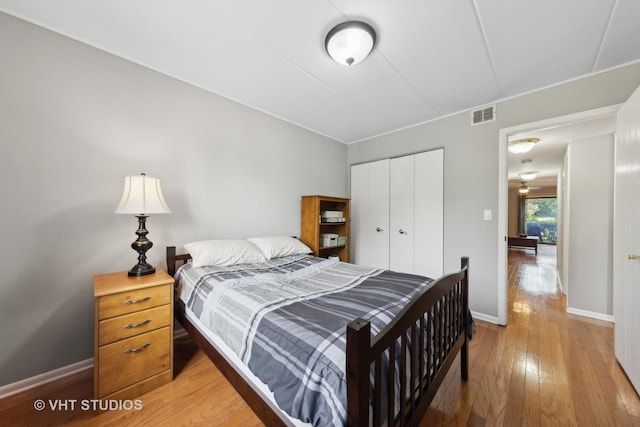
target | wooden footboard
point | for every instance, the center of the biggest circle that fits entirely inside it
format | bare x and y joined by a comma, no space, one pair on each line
424,340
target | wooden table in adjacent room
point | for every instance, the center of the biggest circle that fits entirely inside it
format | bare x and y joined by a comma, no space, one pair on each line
524,242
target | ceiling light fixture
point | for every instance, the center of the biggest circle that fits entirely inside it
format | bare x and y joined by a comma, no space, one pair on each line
528,176
523,189
350,42
522,145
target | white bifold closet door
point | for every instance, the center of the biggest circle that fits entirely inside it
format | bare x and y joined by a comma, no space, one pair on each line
370,214
397,213
416,213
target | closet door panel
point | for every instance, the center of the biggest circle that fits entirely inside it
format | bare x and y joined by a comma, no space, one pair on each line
429,213
359,214
370,214
397,213
401,206
379,213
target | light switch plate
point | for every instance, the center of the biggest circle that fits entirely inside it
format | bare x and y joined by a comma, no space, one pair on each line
487,215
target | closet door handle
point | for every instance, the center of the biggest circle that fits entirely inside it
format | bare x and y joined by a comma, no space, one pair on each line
633,256
401,231
378,229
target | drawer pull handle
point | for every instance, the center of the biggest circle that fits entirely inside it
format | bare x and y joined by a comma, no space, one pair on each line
137,325
136,350
135,301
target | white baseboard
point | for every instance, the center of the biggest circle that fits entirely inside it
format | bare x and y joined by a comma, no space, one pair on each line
44,378
486,318
590,314
58,374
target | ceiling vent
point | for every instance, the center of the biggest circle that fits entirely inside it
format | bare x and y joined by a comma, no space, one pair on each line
483,115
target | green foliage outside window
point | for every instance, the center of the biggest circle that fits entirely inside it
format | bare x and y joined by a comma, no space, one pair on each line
541,218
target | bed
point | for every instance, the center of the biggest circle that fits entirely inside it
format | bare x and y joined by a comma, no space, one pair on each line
309,340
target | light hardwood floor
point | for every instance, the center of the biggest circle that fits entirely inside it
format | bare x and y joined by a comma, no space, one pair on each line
546,368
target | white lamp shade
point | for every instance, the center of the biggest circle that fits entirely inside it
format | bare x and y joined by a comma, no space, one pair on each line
142,195
350,42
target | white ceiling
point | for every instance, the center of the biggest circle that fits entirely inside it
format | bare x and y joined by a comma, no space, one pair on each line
547,155
432,58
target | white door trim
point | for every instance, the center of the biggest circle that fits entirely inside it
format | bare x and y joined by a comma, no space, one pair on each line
503,187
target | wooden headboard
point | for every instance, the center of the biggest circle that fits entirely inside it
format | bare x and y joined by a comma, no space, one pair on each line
173,259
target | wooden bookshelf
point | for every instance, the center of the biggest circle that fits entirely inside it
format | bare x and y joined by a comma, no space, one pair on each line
314,226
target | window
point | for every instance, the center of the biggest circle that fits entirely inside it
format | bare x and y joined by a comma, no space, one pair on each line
541,218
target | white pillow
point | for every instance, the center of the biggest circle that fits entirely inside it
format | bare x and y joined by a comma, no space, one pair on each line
223,253
279,246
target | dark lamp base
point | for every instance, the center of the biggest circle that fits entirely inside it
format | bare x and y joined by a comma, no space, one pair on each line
141,270
142,245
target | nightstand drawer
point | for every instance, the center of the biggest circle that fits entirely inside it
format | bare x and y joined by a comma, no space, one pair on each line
134,300
128,325
128,361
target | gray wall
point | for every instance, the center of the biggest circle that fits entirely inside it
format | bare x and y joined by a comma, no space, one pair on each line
74,121
590,201
471,166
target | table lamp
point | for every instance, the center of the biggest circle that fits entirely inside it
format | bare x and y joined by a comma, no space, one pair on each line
142,196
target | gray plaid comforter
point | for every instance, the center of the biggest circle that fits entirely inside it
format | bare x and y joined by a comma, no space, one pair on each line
286,320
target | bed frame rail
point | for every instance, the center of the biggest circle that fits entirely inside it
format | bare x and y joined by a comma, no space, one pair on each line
423,340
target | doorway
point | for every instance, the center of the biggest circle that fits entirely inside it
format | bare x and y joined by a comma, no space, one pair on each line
504,134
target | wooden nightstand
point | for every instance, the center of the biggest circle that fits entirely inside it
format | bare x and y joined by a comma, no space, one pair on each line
133,350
